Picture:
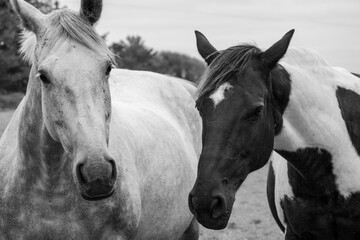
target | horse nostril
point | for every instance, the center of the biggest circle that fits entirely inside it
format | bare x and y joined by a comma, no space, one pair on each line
96,177
218,207
113,175
80,174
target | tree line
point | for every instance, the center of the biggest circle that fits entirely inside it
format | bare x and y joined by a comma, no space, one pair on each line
132,53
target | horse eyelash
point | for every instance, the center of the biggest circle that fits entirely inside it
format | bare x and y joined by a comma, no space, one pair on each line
254,113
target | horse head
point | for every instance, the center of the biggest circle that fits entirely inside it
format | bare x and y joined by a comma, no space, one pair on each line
240,117
70,70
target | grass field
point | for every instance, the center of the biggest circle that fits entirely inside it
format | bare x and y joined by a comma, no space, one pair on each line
251,218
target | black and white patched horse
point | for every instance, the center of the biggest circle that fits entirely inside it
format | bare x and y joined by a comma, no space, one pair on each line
301,107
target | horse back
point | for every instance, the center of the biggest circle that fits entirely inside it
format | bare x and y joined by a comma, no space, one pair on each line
170,98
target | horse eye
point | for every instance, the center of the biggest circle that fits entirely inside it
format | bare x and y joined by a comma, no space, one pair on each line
108,70
44,79
255,113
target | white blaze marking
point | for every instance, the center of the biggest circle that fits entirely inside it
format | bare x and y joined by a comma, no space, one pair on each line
219,94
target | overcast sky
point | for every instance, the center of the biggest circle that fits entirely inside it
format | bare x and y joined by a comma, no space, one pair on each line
331,27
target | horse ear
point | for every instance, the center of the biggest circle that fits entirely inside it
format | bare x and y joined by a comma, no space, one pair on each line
31,18
91,10
206,50
278,50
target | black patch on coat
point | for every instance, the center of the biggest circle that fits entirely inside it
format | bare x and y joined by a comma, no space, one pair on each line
270,191
335,219
318,211
281,88
349,104
310,173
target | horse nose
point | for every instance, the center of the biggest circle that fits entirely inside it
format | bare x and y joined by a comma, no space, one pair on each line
218,207
96,177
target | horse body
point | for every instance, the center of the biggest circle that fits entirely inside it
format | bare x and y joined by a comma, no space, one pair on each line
150,115
305,110
321,175
93,155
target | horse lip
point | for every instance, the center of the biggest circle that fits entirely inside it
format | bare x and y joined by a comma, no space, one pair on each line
219,227
97,198
215,226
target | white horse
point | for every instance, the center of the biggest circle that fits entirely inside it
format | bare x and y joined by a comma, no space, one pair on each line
76,163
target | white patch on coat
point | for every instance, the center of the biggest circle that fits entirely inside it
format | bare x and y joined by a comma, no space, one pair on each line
313,117
282,185
219,94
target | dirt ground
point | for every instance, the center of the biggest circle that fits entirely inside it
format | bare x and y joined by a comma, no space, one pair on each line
251,218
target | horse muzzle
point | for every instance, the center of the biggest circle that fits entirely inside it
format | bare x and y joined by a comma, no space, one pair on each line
211,211
96,178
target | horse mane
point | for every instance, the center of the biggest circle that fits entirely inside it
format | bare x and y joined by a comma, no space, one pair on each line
224,65
64,25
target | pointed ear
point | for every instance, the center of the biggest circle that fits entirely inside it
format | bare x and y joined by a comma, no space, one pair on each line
31,18
91,10
206,50
278,50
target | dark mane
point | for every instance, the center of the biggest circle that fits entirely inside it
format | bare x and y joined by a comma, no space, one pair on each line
223,66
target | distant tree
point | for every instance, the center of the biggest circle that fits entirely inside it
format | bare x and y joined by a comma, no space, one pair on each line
180,65
13,71
134,54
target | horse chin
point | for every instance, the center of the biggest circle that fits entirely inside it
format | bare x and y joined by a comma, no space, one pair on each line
97,198
215,224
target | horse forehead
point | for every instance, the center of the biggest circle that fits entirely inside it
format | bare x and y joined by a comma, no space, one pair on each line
219,94
80,54
75,66
71,53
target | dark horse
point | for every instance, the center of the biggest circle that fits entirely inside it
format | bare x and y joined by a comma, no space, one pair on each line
304,109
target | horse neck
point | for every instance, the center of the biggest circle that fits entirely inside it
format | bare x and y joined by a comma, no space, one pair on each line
312,124
39,153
